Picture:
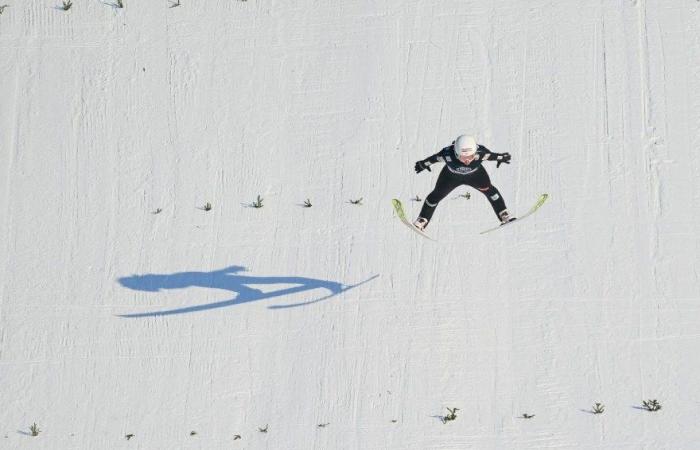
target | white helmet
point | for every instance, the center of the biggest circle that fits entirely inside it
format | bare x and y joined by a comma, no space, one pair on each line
465,145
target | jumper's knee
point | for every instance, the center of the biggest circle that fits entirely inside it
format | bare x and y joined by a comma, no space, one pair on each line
494,197
432,200
488,190
491,192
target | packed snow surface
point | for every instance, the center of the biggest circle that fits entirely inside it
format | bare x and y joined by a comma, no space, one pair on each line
126,308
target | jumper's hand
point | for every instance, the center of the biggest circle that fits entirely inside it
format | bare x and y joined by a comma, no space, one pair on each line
421,166
502,158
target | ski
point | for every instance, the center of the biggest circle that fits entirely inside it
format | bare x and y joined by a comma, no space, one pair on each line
535,207
398,208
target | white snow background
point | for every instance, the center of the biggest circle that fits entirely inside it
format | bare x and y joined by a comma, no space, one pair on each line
108,114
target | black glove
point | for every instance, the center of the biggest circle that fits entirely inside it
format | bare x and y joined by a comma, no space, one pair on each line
502,158
421,166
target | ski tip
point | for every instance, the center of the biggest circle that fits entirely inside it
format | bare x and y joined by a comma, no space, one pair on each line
396,203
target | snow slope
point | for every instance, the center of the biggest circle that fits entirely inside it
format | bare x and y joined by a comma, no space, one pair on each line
115,320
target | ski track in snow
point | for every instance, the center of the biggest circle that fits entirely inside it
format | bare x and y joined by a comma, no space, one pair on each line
108,114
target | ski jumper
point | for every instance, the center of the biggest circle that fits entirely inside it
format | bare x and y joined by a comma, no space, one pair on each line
455,174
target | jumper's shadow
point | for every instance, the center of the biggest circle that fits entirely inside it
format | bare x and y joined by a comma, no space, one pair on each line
229,279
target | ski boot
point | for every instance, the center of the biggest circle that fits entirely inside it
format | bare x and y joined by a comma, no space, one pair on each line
421,223
505,217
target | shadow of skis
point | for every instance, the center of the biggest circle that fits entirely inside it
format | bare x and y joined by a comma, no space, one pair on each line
344,289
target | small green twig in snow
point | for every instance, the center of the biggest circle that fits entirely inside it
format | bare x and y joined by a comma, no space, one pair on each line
34,429
651,405
452,415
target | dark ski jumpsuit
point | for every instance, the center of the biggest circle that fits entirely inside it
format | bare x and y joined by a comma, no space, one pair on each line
455,174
